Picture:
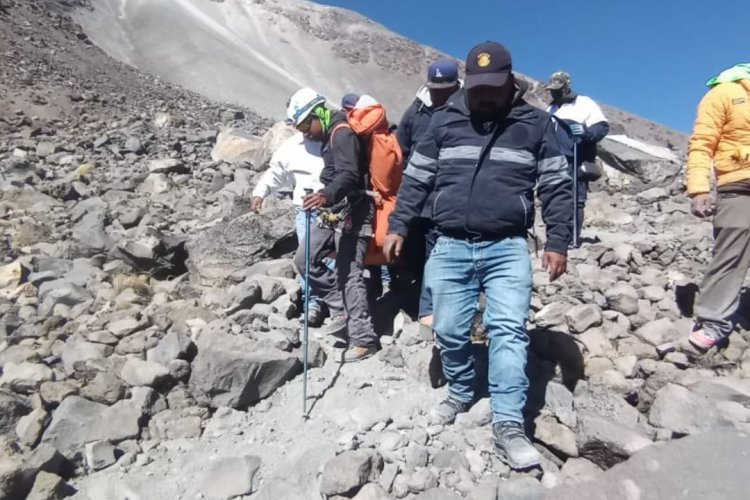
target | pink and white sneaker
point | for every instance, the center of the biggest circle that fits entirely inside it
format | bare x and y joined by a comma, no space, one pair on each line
701,339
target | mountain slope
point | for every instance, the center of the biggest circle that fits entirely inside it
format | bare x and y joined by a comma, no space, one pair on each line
257,52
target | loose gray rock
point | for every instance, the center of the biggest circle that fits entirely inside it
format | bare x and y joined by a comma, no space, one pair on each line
78,421
229,477
25,377
551,315
622,298
438,494
372,491
52,293
684,411
582,317
708,466
176,424
48,486
174,345
522,488
556,436
138,372
104,388
77,352
349,471
231,371
236,244
659,332
14,407
30,427
422,480
99,455
605,442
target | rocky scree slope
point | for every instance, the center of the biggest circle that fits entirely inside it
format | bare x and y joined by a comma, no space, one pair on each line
149,325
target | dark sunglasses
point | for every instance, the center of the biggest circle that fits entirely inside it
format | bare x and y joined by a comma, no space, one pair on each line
306,124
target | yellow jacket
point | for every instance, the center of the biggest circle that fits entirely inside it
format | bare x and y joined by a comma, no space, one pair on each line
721,138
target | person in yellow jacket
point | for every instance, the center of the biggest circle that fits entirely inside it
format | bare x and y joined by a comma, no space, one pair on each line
720,144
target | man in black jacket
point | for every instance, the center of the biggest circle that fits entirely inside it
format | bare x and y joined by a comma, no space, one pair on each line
483,155
442,82
344,177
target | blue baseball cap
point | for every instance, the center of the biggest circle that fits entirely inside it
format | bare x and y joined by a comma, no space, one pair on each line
442,75
349,101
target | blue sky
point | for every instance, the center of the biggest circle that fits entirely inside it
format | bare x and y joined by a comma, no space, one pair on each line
651,58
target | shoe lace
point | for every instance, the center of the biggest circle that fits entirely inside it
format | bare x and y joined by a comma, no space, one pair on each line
511,431
454,404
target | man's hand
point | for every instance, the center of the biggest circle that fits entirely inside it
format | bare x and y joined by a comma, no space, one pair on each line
701,205
256,204
392,247
577,130
555,263
315,200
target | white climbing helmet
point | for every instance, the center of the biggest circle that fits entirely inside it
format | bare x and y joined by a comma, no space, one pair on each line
301,104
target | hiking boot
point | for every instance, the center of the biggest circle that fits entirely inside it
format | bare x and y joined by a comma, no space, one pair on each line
315,318
702,340
336,326
357,353
514,447
446,411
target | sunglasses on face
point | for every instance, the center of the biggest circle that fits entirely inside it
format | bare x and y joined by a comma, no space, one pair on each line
305,125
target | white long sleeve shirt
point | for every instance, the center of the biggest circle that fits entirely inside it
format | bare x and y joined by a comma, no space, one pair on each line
294,167
583,110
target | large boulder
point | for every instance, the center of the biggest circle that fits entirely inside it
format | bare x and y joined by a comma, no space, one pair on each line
78,421
154,253
685,411
645,165
606,442
709,466
236,372
236,244
235,146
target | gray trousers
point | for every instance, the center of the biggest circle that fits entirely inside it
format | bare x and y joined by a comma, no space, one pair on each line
722,284
343,290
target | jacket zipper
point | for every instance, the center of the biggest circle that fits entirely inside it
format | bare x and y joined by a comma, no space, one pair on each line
525,212
434,203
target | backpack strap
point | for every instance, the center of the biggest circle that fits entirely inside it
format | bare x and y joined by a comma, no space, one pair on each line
335,129
330,144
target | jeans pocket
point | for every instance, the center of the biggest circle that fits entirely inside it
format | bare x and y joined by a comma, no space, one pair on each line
442,246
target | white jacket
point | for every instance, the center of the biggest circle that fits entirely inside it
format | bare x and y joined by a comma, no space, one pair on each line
295,166
583,110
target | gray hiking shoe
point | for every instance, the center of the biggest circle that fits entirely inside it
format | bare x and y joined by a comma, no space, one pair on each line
514,447
336,327
356,353
446,411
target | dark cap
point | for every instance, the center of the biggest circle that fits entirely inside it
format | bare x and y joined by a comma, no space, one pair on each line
442,75
559,80
349,101
488,63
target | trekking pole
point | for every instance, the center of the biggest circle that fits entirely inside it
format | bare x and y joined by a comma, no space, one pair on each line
308,224
575,192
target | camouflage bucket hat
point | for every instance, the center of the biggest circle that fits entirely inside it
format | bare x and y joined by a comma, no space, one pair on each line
559,80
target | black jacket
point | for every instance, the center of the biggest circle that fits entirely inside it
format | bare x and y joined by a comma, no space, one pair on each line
485,188
413,125
345,164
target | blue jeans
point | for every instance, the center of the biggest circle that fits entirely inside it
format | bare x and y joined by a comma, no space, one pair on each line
300,220
456,273
425,297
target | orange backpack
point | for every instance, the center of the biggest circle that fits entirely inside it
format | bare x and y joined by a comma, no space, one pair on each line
386,171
